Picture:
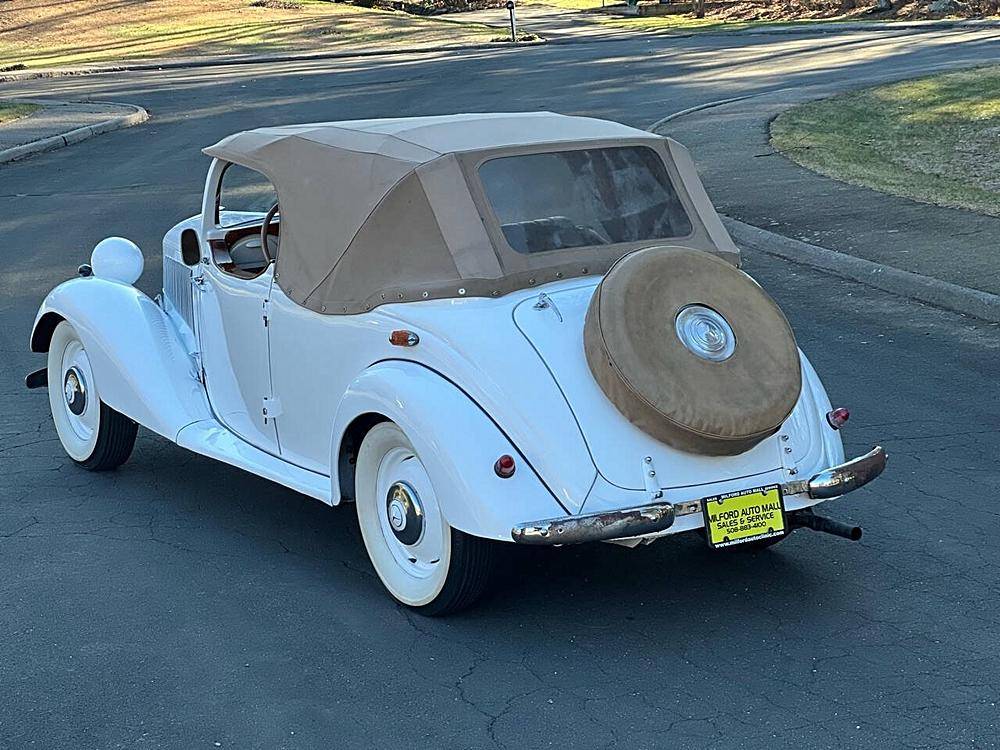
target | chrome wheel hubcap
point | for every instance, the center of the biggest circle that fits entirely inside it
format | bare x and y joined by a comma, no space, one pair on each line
405,513
75,391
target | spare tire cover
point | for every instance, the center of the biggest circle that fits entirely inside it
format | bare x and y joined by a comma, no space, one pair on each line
714,398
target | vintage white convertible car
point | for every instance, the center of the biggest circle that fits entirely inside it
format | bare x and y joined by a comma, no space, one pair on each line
527,328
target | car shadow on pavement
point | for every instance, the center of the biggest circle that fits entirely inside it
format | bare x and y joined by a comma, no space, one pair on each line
217,512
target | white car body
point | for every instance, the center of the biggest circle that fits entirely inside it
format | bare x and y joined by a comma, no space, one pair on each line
490,376
220,366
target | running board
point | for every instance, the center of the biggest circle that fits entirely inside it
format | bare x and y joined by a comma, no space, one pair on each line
211,439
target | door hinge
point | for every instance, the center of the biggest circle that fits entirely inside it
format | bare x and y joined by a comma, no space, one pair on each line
266,314
271,408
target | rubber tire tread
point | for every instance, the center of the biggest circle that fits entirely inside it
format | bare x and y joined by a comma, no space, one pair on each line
473,569
115,441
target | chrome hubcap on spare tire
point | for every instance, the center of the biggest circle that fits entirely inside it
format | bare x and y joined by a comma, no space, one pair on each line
705,333
405,514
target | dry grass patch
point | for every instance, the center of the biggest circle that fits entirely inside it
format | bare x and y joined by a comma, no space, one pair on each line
51,33
12,111
933,139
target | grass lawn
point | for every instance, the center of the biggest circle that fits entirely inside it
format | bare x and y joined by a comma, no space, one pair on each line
42,33
10,111
933,139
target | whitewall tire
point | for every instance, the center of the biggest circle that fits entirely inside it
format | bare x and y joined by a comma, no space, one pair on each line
422,561
93,434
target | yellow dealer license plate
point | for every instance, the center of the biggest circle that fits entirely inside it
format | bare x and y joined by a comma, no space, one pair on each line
744,516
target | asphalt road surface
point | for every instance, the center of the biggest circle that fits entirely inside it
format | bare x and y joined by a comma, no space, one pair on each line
181,603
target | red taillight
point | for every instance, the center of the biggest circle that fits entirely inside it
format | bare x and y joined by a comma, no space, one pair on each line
838,417
504,467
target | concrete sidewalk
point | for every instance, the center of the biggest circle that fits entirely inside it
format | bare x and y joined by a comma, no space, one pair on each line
56,124
750,182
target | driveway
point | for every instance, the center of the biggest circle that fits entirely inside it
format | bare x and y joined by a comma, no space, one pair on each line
181,603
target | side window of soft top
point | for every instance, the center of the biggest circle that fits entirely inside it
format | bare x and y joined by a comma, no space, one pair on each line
244,195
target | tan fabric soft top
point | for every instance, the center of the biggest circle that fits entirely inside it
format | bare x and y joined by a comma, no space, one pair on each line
376,211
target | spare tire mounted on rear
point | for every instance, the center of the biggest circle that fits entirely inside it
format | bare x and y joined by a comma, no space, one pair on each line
692,351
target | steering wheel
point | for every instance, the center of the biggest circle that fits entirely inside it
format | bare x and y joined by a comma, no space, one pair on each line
263,233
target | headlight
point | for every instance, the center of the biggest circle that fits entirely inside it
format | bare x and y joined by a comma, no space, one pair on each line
705,333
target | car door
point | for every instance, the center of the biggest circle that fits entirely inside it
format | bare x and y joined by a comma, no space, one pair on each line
234,286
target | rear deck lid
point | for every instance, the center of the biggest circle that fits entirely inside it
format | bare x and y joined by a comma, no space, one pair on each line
553,324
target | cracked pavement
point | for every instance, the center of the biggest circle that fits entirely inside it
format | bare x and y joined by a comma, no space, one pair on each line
182,603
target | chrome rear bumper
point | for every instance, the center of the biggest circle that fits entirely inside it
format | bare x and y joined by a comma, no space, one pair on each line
847,477
595,527
650,519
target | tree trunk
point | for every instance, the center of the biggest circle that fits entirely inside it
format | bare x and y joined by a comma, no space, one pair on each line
699,8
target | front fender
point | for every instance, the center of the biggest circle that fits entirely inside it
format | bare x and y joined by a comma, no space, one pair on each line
141,366
457,442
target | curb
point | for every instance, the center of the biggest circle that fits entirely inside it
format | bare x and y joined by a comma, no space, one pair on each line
931,291
137,116
698,108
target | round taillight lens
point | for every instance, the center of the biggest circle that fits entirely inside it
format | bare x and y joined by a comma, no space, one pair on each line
504,467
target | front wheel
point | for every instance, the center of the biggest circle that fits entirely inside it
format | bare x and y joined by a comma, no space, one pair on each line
94,435
422,561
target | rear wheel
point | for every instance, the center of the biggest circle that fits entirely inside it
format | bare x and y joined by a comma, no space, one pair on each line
94,435
422,562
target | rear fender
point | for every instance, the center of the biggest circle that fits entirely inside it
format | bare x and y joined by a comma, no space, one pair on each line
457,442
140,364
809,441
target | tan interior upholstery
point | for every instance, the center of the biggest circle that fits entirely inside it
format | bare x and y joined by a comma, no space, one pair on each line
699,406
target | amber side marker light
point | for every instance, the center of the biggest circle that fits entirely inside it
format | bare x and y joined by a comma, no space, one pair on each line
404,338
504,467
838,417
